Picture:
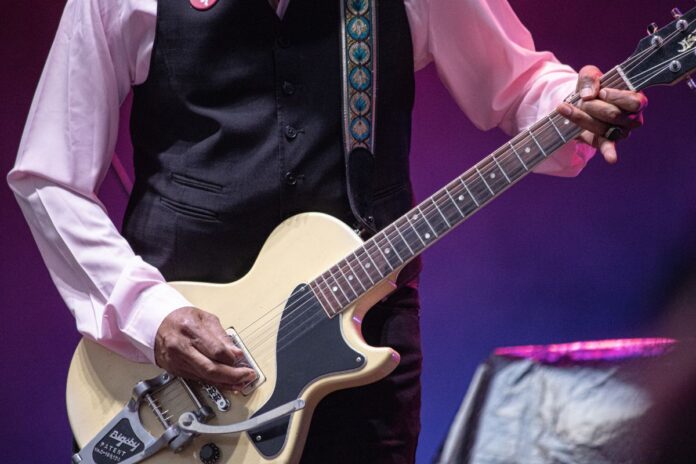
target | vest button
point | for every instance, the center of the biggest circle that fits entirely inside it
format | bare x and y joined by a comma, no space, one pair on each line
283,42
290,132
290,178
288,88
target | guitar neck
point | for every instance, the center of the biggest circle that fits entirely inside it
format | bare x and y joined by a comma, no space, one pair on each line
437,215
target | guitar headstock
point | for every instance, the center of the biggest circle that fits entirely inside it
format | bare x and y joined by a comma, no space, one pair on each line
667,55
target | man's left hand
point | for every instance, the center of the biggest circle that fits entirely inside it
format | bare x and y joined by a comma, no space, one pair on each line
607,115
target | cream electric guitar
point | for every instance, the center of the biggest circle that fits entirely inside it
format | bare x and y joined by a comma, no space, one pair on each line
296,315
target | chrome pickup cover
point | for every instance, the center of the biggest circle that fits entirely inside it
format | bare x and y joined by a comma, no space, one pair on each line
247,362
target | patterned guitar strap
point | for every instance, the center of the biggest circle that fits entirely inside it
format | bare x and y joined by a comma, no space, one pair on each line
359,66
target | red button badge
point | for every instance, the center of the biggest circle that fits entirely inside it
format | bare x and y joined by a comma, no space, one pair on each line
203,5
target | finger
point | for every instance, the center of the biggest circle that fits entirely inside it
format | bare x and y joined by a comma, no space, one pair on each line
582,119
612,115
633,102
589,82
608,150
215,373
214,342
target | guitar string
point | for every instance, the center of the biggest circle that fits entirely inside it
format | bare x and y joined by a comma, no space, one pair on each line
345,265
485,164
384,237
392,235
485,167
500,159
636,57
488,163
433,198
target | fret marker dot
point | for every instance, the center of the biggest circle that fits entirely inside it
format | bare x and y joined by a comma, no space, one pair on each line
461,197
367,265
492,175
427,235
527,150
334,289
414,217
566,122
387,250
350,277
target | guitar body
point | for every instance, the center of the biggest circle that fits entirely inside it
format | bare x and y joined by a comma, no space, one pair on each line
301,353
307,364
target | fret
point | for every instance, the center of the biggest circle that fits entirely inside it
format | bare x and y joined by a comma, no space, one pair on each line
568,129
462,198
335,290
410,235
469,192
432,199
501,168
484,181
396,226
396,251
425,219
372,282
626,81
447,207
560,134
518,156
345,277
369,265
319,295
326,288
416,231
537,143
354,274
388,253
422,227
369,254
455,203
478,188
495,178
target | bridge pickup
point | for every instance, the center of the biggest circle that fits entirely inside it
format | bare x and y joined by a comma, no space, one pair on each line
247,362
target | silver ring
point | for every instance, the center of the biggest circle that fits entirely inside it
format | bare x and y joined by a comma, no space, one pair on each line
614,133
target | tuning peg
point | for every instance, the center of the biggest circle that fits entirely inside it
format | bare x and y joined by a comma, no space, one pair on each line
676,13
652,28
691,83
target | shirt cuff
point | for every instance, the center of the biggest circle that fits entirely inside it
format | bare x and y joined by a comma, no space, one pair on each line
146,300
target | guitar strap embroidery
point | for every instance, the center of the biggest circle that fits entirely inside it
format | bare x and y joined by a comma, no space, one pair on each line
359,66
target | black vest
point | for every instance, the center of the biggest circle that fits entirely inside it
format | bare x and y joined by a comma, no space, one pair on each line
238,127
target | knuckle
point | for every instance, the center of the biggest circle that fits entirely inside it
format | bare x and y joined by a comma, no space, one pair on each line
218,351
613,115
209,370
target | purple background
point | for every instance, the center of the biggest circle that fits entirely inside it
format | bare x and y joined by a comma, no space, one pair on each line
553,260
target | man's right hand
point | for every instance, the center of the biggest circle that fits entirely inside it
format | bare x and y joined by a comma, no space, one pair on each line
191,343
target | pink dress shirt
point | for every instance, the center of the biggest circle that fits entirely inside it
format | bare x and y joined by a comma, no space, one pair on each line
483,54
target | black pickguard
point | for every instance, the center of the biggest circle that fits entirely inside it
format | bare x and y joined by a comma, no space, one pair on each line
312,353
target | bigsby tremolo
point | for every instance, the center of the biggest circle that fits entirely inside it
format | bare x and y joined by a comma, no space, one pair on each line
125,439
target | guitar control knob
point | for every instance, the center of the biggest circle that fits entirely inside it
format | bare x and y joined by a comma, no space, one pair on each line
209,453
676,13
652,28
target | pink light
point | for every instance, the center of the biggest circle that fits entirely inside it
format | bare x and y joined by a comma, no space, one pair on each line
599,350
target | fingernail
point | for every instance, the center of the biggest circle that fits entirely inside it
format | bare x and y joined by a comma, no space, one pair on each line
603,94
565,110
586,92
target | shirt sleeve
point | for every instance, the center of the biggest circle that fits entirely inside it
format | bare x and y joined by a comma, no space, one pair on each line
99,51
486,58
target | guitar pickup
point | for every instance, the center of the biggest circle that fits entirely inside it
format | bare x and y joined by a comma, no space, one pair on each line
248,361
